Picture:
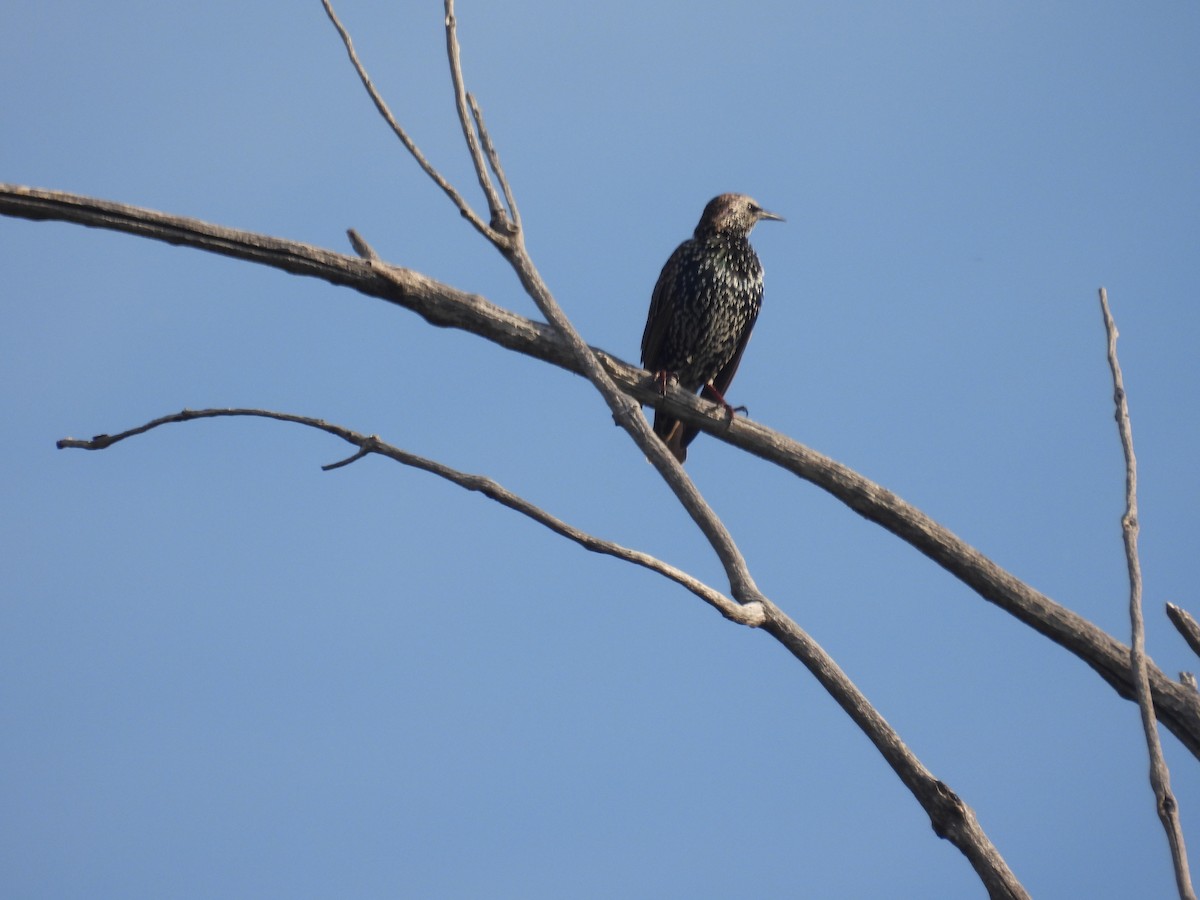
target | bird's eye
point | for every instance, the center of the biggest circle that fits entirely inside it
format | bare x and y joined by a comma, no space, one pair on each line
755,208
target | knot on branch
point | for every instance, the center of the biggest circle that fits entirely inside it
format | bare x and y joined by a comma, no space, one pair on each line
949,813
752,615
503,225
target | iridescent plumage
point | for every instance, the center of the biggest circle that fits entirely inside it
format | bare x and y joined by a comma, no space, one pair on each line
703,309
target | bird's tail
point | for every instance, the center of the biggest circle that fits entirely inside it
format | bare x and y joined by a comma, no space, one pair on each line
673,434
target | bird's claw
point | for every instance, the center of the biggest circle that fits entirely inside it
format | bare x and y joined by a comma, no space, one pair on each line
661,380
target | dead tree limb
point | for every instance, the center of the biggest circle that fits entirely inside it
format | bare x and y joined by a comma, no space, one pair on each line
620,385
1186,625
1160,777
370,444
951,818
1177,705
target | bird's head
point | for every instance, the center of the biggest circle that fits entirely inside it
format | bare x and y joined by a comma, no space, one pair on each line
732,214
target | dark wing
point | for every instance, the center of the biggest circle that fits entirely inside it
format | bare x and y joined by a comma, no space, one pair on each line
662,307
654,339
721,382
723,378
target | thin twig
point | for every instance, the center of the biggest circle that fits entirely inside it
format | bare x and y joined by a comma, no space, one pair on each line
494,161
499,218
370,444
341,463
361,247
1160,776
463,207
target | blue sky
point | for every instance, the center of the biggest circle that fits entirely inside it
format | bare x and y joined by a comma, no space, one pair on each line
226,673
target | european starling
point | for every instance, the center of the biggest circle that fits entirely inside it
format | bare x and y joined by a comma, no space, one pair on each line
703,310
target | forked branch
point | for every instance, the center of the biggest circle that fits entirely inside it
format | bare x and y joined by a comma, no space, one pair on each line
951,818
409,144
470,123
626,413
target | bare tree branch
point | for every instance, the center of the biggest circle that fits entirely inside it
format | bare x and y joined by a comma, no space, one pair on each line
1128,670
952,819
368,444
1186,625
1160,776
500,221
494,162
1177,705
626,413
380,104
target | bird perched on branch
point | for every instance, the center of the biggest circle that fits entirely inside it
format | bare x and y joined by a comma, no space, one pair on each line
703,310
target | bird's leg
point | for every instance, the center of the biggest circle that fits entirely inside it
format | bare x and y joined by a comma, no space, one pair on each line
708,392
661,380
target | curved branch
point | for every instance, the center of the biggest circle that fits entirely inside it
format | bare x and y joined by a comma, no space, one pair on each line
951,818
368,444
1177,706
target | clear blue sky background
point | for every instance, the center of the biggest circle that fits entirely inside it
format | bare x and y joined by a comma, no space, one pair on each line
224,673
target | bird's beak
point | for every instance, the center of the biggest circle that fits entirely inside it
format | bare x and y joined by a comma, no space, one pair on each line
775,217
